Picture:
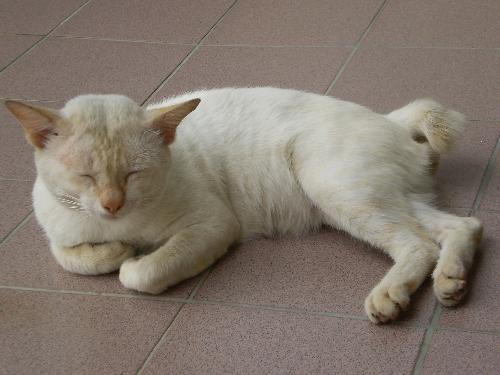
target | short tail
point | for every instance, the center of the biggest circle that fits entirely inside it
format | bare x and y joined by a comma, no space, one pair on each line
429,122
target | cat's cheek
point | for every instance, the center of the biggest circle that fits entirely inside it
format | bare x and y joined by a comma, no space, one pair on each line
91,205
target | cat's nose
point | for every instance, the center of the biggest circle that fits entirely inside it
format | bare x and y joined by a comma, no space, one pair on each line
112,200
112,206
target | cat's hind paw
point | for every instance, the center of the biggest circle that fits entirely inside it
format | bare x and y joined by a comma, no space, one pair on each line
450,285
385,304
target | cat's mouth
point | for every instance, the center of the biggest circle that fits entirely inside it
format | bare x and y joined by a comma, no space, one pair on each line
110,217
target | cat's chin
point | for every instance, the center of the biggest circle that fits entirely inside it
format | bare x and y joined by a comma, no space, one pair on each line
109,217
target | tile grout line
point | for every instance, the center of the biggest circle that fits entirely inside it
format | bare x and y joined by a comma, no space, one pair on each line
426,342
487,174
188,301
33,100
188,56
204,277
14,179
356,47
160,341
16,228
492,332
104,39
328,45
44,37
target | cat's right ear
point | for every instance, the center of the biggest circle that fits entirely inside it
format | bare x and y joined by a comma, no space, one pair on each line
167,119
38,123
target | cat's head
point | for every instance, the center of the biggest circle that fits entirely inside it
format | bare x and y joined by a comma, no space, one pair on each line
102,154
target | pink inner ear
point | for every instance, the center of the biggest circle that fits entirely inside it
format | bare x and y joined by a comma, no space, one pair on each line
168,136
40,137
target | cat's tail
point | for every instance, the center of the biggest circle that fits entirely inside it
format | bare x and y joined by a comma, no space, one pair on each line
429,122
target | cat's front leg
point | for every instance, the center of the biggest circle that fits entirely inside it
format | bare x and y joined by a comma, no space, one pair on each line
184,255
92,259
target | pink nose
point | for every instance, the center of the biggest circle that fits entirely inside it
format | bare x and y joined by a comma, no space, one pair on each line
112,200
112,206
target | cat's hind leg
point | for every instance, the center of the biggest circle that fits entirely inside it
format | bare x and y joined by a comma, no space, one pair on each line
92,259
385,221
458,237
413,252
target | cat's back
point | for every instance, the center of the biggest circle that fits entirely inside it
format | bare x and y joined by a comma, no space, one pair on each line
240,116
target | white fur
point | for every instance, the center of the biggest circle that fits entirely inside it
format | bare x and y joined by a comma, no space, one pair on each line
265,161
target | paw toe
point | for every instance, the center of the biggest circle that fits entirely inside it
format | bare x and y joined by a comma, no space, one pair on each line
385,305
449,290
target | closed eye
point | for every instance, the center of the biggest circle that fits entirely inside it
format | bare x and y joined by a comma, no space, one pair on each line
88,177
131,173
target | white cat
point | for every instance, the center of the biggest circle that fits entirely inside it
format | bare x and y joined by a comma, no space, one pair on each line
114,177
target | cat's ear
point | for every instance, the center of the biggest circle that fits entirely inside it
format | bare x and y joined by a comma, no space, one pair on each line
167,119
38,123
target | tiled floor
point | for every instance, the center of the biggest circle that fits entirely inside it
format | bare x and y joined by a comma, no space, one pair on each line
271,306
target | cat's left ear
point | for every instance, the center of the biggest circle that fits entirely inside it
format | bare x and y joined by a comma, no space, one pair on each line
38,123
167,119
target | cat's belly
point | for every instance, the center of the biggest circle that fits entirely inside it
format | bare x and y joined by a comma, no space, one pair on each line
272,203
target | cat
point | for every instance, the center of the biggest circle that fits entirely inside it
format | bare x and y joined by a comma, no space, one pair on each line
191,175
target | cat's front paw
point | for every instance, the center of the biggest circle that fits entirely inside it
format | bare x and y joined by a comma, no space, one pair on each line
450,284
92,259
137,274
384,304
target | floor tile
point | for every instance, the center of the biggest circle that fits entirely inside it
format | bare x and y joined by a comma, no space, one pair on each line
388,78
171,21
460,172
59,69
15,200
462,353
309,69
13,45
35,16
47,333
282,22
16,154
226,340
488,261
26,261
480,311
459,23
491,198
328,271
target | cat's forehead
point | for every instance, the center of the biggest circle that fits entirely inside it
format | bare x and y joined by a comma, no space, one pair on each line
106,112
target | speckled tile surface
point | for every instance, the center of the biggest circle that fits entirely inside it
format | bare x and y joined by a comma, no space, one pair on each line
70,334
463,353
174,21
220,339
282,22
308,68
385,79
14,45
59,69
15,200
316,273
35,16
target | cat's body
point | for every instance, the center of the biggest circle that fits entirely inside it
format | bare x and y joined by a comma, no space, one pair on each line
257,162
